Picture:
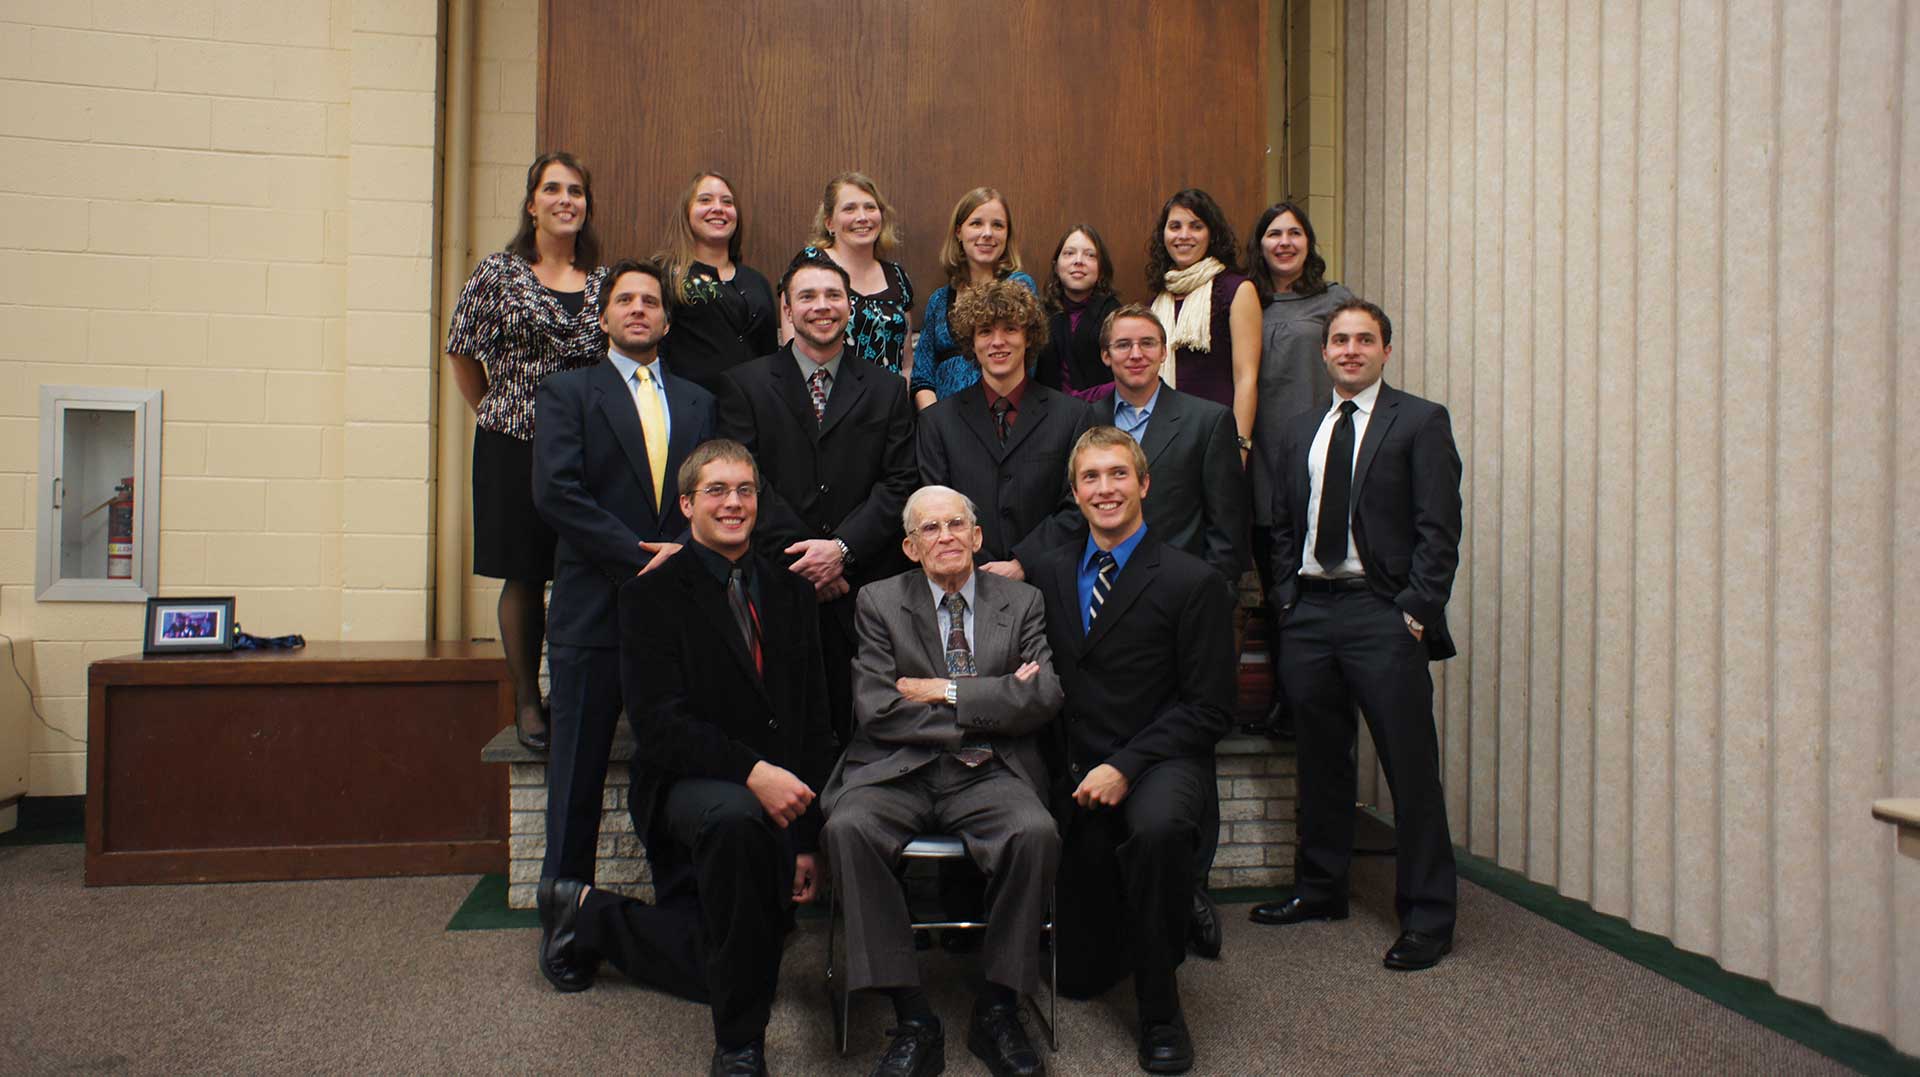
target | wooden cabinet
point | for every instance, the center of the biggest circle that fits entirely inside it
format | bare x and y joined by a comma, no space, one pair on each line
336,760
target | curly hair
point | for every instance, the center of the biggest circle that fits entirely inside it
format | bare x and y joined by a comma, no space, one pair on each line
822,237
997,301
1313,273
1220,241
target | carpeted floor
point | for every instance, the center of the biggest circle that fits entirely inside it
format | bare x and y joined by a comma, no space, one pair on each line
362,977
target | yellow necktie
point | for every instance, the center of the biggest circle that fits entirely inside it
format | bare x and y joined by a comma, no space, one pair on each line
653,424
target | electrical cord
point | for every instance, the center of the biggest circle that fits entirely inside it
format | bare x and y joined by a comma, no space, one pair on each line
13,658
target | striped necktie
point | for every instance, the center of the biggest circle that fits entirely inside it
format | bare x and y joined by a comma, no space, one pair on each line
1102,584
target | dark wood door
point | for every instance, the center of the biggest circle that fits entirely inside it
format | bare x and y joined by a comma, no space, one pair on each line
1076,111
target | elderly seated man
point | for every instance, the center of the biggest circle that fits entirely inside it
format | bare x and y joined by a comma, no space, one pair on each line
953,682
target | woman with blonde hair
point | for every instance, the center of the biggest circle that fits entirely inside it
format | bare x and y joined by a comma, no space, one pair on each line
979,249
855,227
723,312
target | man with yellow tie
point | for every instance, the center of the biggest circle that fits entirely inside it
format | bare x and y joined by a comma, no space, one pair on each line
608,441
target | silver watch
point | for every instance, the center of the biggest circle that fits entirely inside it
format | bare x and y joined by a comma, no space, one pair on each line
953,693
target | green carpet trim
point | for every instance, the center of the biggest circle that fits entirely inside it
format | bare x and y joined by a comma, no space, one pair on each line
486,909
1750,998
49,821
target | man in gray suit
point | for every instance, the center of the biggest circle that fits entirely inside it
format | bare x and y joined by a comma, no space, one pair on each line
953,681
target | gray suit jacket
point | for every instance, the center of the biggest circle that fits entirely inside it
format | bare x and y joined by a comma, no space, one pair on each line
900,637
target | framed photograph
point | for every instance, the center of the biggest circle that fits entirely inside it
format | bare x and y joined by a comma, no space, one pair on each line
185,625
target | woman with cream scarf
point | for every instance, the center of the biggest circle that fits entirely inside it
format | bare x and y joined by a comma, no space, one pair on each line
1210,308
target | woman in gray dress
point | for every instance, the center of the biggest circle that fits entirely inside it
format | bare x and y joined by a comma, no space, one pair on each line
1290,276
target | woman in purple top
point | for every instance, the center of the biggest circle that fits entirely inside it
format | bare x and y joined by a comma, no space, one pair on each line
1079,296
1210,309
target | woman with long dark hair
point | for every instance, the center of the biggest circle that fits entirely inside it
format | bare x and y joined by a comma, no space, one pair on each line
526,312
979,249
1290,275
1209,307
1079,295
723,311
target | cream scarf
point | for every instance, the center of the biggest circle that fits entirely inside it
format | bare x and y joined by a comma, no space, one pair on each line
1193,326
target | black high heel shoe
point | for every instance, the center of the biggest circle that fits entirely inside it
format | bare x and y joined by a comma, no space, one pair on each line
534,742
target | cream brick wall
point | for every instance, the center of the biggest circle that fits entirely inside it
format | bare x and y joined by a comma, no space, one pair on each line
506,81
232,202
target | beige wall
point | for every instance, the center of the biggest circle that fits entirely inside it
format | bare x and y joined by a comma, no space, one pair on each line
231,202
1659,260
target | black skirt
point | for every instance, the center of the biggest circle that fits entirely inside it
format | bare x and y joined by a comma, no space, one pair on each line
510,540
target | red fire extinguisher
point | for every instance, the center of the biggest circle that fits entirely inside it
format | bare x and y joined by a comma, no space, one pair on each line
120,531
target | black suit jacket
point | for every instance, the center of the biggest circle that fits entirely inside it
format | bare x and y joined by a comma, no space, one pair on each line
697,706
1406,509
1155,679
847,476
592,485
1026,505
1198,499
1077,349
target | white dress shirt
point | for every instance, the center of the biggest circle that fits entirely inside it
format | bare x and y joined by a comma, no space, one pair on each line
1316,473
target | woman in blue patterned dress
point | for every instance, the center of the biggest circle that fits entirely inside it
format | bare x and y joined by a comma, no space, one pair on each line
979,248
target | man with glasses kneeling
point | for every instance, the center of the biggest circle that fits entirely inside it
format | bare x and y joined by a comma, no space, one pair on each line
952,682
720,660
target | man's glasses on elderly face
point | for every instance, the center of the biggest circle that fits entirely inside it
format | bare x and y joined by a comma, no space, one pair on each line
719,490
931,530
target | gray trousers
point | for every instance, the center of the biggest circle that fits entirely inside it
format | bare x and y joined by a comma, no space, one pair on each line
1008,834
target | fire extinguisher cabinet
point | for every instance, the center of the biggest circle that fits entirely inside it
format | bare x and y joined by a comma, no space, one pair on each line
99,505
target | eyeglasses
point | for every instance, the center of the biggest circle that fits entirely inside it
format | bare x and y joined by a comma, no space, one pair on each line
932,529
719,490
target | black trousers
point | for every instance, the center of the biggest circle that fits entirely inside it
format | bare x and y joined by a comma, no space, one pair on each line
585,697
1127,877
1263,563
723,880
1353,648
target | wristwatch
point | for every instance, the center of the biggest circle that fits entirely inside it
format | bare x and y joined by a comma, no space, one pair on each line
1245,443
953,693
846,554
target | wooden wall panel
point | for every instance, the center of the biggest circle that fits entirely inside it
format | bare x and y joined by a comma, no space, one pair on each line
1073,118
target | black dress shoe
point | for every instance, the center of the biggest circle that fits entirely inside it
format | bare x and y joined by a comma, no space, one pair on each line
1414,951
1296,910
748,1061
996,1037
1165,1046
1278,723
560,963
1203,928
919,1049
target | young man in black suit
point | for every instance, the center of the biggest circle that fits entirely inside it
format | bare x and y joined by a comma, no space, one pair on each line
720,654
608,442
1366,538
1003,441
834,438
1142,637
1200,501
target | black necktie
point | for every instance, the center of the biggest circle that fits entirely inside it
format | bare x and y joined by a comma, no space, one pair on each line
1336,490
744,616
1000,408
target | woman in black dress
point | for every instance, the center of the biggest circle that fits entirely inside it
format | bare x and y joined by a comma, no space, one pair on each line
723,312
527,312
1079,296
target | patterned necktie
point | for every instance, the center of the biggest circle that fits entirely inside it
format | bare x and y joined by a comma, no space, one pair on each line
1000,408
960,664
818,383
1102,584
746,617
1336,490
653,426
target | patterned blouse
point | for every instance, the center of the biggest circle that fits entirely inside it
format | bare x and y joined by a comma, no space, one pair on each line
877,330
508,320
938,362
